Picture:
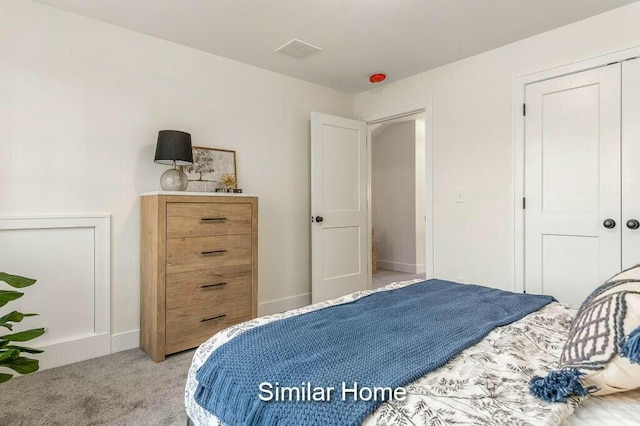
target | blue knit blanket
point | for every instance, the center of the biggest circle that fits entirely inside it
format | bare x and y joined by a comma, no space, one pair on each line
386,340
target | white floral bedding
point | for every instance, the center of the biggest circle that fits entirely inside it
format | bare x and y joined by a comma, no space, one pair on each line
487,384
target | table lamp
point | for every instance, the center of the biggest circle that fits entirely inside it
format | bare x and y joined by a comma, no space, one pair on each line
174,148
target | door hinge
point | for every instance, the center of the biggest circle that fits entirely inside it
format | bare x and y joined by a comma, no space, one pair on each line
524,203
524,109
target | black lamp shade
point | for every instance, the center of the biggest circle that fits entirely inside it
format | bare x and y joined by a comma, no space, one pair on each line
174,145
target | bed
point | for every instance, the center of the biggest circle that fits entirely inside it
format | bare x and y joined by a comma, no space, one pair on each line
486,384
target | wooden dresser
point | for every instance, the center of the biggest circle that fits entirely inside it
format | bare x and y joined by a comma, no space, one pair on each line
199,268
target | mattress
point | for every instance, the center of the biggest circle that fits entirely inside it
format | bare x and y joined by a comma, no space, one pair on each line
485,384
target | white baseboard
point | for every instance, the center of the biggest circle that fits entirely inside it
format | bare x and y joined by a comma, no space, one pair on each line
131,339
409,268
125,341
82,349
281,305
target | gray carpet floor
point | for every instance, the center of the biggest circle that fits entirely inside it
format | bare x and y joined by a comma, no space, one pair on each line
125,388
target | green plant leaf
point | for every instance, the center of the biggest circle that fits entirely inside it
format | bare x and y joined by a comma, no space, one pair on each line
14,316
25,349
5,377
23,336
3,343
7,296
21,365
9,326
9,353
16,281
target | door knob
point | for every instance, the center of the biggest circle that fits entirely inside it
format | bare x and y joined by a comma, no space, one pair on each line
633,224
319,219
609,223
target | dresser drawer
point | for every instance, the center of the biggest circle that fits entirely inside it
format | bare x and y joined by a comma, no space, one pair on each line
208,286
199,253
207,219
190,326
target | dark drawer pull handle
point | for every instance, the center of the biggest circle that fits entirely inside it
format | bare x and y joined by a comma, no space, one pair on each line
213,318
213,285
204,253
213,219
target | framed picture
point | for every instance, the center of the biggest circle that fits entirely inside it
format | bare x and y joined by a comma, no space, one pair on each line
208,168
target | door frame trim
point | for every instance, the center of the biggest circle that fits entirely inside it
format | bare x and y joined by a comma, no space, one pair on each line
519,84
425,107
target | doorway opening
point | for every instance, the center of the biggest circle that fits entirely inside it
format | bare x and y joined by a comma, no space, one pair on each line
398,199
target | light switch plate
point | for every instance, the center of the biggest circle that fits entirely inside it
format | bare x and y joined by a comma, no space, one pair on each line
460,197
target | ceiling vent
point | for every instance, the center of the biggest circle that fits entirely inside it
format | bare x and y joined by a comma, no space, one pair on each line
298,49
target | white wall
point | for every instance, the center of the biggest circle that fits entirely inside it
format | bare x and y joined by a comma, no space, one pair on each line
393,187
398,194
472,137
81,103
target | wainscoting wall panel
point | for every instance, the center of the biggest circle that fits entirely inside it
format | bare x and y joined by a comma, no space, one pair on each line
69,258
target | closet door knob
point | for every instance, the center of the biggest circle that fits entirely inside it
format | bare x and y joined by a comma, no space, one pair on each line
609,223
319,219
633,224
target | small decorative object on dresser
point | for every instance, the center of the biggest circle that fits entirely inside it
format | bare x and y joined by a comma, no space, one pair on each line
229,184
199,268
229,181
174,148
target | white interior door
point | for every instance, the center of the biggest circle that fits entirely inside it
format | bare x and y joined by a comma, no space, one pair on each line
572,183
630,163
339,235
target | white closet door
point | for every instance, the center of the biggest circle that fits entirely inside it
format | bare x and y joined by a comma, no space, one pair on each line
630,163
572,183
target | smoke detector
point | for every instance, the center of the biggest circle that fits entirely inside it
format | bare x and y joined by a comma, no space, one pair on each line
298,49
377,78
